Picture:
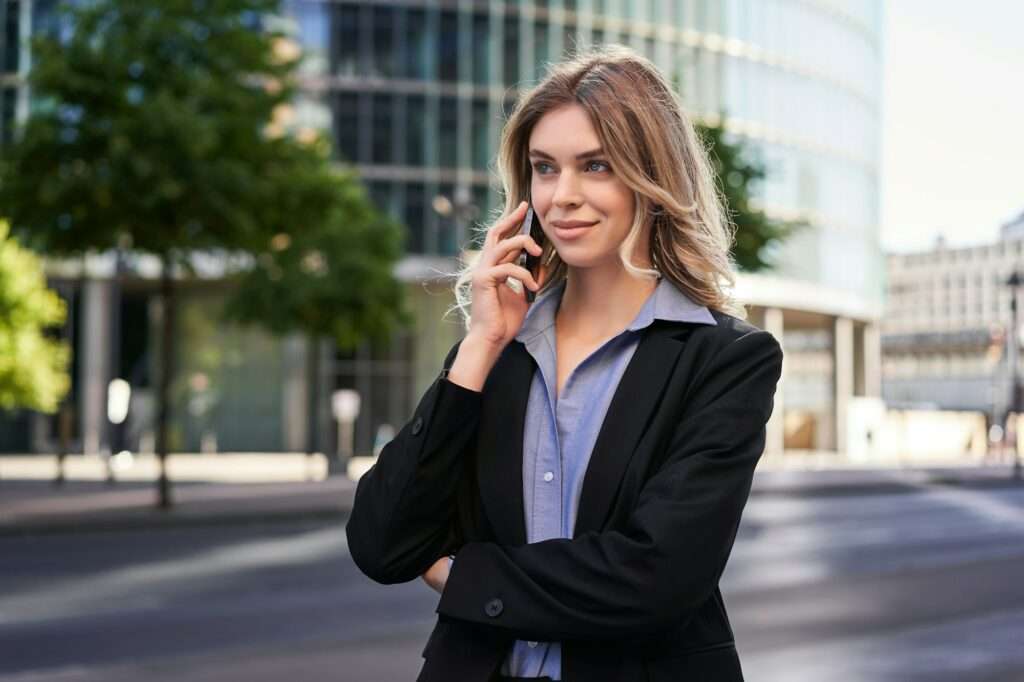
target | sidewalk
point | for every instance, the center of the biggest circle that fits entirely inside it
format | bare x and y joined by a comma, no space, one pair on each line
29,507
34,507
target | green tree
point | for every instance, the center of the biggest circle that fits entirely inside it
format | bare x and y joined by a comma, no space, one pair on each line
158,126
737,176
334,280
33,365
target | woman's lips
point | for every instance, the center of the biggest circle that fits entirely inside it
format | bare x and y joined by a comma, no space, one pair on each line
569,233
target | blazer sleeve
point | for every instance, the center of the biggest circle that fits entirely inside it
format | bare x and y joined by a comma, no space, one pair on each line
655,570
402,512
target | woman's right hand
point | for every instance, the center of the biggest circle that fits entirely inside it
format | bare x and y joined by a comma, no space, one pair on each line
497,311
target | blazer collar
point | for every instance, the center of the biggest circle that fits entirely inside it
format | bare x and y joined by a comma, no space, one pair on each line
500,453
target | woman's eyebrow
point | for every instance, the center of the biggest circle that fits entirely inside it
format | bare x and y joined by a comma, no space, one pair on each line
584,155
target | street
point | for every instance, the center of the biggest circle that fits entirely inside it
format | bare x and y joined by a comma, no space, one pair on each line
907,586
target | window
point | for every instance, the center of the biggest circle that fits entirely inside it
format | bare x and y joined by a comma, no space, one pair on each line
448,47
344,40
540,48
414,219
481,49
9,57
415,130
480,200
417,45
383,126
479,133
8,96
346,126
380,194
446,224
383,64
568,39
447,146
511,50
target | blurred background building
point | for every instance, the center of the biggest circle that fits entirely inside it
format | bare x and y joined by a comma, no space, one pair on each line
415,94
947,319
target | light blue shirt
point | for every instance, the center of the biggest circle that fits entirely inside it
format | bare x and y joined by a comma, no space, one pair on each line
560,431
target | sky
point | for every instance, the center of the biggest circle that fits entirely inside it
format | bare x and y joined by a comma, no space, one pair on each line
953,121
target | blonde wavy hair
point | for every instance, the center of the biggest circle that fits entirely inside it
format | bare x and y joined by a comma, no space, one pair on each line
653,147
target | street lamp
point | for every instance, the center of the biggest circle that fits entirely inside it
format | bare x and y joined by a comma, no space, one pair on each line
1014,283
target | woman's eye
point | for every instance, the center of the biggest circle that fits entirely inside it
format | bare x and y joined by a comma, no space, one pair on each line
602,166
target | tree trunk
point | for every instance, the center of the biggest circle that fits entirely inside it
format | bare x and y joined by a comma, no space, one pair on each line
166,374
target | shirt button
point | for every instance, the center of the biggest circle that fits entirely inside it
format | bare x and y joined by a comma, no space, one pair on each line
532,645
548,476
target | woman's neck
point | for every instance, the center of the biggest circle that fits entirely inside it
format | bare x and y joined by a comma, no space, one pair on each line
600,302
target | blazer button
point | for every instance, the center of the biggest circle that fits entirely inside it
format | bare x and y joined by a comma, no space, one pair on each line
494,607
417,425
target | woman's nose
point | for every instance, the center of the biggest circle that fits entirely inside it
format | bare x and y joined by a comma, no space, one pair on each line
567,190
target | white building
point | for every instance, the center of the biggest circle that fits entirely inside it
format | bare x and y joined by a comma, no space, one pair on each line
947,315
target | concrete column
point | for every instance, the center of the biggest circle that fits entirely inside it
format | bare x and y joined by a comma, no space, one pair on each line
842,349
94,363
872,350
295,390
775,442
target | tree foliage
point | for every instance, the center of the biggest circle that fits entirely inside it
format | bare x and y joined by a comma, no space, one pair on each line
164,127
757,234
33,365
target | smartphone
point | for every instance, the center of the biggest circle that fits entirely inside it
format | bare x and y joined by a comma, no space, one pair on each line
531,226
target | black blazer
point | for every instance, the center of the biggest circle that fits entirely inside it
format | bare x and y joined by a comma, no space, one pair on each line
633,595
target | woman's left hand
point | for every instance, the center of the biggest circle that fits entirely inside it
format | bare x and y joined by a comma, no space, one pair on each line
437,575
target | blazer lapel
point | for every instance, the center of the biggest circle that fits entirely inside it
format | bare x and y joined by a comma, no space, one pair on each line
634,402
503,418
500,445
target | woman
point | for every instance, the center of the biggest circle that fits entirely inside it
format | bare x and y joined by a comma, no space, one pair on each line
572,481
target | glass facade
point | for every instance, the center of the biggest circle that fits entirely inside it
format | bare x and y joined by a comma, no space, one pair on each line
798,81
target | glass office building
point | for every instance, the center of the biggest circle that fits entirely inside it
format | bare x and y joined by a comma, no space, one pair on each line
415,93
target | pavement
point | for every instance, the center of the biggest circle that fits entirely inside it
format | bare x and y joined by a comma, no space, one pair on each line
29,507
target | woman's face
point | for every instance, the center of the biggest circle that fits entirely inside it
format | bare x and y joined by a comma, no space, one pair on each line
567,184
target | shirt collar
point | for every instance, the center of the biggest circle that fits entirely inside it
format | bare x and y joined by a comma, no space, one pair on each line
666,302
